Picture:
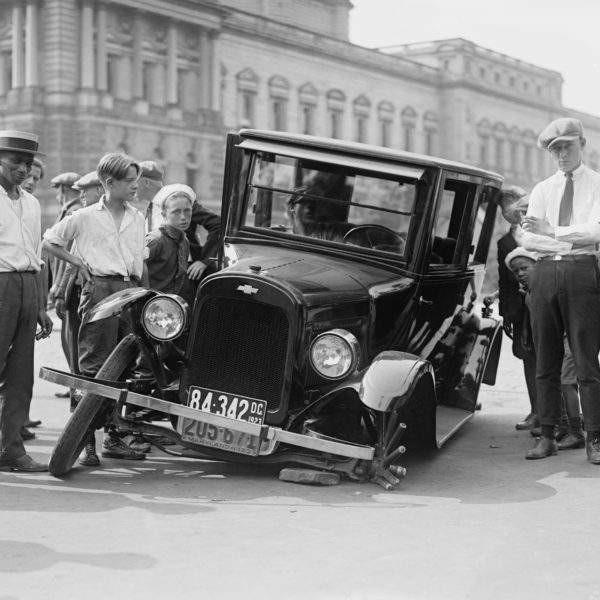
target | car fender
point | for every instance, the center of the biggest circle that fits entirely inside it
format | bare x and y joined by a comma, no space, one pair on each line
392,379
115,303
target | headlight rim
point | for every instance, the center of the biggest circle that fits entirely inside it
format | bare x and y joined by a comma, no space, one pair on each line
183,305
353,345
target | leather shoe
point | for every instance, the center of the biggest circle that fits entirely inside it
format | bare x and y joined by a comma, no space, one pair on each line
571,441
529,422
593,451
88,457
546,447
30,423
24,463
26,434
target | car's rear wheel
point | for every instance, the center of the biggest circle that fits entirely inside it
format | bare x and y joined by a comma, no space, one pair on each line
93,411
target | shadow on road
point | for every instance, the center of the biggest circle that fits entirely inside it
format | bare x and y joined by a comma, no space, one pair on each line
27,557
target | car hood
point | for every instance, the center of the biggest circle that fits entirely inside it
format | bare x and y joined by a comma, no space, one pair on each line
317,278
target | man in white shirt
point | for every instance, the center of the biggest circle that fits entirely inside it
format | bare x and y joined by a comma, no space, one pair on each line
111,249
21,296
563,226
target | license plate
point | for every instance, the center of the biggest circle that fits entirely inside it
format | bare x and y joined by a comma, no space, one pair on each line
229,406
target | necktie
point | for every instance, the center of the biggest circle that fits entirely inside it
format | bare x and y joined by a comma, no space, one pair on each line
566,204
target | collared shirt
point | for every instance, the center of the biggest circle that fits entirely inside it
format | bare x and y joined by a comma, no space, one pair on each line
584,230
168,251
20,233
104,249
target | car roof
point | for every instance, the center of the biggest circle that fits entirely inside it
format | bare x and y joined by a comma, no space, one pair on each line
366,150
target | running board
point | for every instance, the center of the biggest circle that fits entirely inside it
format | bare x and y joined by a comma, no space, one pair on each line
448,420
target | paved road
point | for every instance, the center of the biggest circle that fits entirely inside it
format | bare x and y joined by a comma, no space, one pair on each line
472,521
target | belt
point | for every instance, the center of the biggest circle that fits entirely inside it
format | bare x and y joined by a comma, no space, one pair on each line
568,257
117,277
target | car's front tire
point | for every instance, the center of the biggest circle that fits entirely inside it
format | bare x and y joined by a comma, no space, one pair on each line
93,410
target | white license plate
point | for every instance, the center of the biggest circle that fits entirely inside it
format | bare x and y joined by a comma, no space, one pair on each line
229,406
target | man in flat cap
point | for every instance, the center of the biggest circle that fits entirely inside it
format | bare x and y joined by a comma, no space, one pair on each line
150,182
563,226
21,296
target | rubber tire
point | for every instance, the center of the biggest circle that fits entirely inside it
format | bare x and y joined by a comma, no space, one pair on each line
92,409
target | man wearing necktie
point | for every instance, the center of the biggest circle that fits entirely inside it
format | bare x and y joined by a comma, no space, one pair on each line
563,227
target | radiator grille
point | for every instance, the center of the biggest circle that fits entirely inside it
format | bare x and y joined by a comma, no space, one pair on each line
240,347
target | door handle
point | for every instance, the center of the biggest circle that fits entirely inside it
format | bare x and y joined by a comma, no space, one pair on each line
423,302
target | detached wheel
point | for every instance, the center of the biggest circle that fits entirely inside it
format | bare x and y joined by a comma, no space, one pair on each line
93,410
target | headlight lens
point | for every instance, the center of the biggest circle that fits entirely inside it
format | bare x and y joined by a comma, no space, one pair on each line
334,354
165,317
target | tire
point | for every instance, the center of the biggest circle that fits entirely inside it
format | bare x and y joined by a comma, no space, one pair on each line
93,410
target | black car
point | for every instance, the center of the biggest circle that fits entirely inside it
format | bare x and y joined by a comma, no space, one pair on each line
340,327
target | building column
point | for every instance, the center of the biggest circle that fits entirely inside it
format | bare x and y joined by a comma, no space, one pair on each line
18,58
101,56
137,83
87,78
172,65
3,66
206,69
31,44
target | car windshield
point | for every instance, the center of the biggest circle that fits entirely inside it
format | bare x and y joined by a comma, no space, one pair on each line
334,203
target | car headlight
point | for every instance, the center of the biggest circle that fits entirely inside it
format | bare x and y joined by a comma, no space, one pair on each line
334,354
164,317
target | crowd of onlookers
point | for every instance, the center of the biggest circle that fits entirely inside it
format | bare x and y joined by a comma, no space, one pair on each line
118,227
549,294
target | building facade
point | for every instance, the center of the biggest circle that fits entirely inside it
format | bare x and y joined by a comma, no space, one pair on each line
165,79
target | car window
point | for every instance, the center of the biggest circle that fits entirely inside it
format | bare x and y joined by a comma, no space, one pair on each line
330,203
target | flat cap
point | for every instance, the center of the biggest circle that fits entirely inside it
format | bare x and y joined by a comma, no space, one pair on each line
89,180
66,179
151,170
519,252
19,141
563,129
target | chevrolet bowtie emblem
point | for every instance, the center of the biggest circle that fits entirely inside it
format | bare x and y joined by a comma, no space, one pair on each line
247,289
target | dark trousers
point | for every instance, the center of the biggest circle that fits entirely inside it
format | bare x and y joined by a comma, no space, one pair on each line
529,368
18,322
565,296
98,339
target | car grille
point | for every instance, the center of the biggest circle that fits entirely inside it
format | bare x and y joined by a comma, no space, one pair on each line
240,347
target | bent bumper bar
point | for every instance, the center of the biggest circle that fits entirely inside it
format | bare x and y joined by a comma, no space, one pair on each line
265,432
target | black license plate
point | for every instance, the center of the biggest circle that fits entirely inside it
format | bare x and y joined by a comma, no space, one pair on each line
229,406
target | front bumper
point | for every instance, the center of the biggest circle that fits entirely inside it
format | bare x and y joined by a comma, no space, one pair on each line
116,391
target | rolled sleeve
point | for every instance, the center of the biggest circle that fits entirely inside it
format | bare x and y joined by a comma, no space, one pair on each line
62,232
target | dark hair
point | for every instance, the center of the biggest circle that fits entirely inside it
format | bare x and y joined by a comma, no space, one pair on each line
116,165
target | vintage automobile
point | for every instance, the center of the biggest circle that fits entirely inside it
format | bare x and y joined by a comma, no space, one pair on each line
340,328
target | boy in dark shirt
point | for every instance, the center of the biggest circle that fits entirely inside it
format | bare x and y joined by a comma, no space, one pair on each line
168,246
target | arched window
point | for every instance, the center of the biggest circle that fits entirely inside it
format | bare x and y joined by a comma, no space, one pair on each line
408,119
279,90
430,129
362,109
336,102
307,101
385,114
247,86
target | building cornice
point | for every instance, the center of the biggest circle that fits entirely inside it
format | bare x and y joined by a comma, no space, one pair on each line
275,32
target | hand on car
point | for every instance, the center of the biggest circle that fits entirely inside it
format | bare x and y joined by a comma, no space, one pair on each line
196,269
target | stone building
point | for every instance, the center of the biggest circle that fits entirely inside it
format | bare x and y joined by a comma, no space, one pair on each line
165,79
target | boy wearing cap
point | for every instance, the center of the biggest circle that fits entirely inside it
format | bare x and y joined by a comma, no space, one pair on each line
168,247
21,296
563,227
110,258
